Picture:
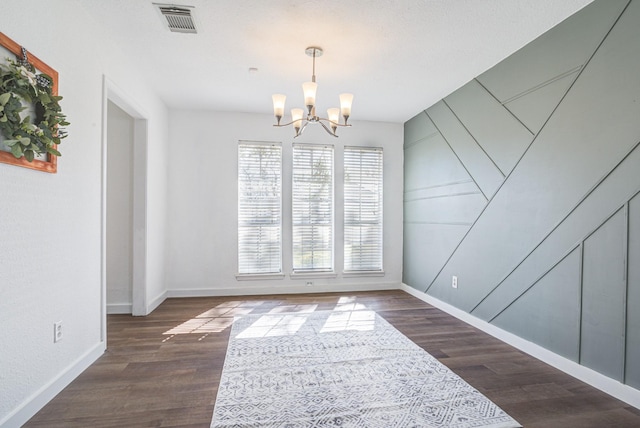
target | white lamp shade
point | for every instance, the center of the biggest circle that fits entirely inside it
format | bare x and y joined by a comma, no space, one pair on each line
309,89
278,104
334,115
345,104
296,117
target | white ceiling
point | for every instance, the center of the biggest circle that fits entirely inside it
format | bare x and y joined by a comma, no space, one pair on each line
397,57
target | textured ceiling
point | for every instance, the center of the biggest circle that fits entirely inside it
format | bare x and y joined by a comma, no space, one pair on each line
396,56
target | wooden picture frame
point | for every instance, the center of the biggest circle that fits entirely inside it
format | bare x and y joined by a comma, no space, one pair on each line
51,163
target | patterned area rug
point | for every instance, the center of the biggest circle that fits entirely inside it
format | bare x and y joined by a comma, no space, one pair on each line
342,369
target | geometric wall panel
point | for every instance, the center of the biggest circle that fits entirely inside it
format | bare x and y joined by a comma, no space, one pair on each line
441,201
429,163
426,249
561,49
632,373
603,299
458,209
501,136
481,168
417,128
535,107
549,312
577,88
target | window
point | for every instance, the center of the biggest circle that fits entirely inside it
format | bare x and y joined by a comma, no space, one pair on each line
312,208
259,208
362,209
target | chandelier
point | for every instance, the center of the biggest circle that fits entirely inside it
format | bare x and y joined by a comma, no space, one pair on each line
299,122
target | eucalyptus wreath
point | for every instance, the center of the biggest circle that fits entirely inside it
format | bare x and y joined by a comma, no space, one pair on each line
20,84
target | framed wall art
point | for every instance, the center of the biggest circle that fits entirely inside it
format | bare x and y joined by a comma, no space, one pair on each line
31,119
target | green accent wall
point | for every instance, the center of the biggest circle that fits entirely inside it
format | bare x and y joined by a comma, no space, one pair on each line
524,184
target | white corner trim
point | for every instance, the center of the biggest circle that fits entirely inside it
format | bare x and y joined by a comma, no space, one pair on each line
118,308
156,302
32,405
610,386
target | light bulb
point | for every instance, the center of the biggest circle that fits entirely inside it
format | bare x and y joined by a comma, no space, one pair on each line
278,106
345,106
309,89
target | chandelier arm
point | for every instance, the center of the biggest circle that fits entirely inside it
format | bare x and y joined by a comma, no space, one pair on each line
317,119
334,123
280,125
327,129
302,128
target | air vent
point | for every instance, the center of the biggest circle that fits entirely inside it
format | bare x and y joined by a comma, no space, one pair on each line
179,18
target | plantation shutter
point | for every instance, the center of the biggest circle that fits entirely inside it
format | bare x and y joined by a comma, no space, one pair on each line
362,209
259,208
312,208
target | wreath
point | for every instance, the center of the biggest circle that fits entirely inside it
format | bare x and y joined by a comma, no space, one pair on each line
19,84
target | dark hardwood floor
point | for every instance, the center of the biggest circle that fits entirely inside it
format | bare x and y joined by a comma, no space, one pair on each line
163,370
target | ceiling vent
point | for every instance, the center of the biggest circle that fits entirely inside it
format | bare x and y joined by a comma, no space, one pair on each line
178,18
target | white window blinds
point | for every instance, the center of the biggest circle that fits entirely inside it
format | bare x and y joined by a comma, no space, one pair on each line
312,208
362,209
259,208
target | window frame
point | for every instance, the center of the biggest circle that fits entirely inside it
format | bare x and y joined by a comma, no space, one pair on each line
368,270
249,275
326,271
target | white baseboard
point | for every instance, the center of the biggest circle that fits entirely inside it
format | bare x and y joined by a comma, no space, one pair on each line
40,398
281,289
118,308
610,386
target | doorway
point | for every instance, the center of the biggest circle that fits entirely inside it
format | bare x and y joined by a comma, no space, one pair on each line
119,228
124,205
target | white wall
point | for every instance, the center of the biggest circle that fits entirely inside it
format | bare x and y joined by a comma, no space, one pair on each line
202,257
119,210
50,231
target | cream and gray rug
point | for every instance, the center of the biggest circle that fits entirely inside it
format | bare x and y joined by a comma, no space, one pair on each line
340,369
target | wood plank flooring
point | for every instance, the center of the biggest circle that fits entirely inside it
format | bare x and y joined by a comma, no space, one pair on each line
163,370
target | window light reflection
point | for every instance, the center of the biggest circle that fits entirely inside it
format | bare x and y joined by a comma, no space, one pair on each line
280,321
283,320
215,319
349,320
348,303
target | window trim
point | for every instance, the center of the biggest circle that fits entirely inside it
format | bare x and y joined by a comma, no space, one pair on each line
329,272
363,272
261,275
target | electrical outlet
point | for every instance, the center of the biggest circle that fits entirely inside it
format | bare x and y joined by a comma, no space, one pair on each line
57,331
454,281
309,283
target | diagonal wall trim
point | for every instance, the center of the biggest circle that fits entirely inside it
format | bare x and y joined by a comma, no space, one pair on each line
457,157
421,140
474,139
610,386
508,110
438,222
442,196
438,185
564,256
538,279
579,245
542,85
515,167
554,228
